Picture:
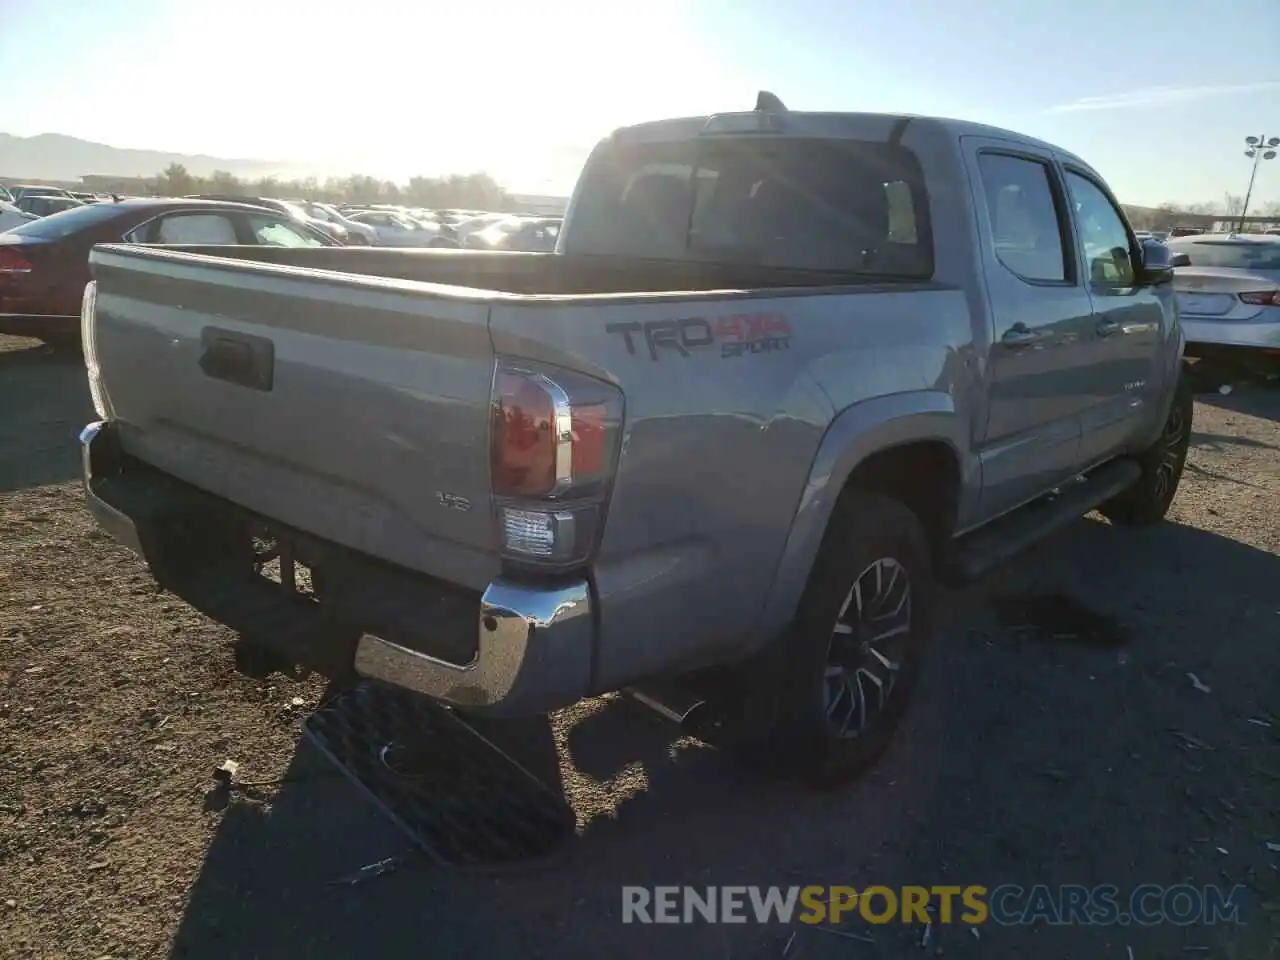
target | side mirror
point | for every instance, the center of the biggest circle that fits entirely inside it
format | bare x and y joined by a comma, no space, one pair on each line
1181,260
1157,265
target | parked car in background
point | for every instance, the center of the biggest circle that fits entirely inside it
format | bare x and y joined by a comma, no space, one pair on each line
44,263
433,221
11,216
37,190
397,230
357,233
1186,231
1228,288
527,234
42,205
285,207
477,222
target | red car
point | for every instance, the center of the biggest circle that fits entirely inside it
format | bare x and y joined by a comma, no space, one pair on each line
44,264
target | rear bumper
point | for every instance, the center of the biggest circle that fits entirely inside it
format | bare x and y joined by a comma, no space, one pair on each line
531,648
1262,334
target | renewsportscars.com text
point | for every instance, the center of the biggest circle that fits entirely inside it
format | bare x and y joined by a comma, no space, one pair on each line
1005,905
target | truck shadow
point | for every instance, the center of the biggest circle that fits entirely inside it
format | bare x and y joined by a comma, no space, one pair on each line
45,401
1025,759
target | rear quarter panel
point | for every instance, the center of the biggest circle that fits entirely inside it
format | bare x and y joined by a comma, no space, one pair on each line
721,438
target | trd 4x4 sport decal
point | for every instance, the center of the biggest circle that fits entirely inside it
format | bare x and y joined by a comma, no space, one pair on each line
735,334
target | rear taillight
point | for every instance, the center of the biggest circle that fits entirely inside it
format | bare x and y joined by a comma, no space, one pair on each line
553,450
11,261
89,344
1262,298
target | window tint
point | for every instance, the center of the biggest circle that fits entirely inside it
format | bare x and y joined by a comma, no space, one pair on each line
836,205
275,232
195,228
1238,256
1107,249
1024,220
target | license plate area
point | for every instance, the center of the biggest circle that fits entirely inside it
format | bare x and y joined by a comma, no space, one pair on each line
1205,304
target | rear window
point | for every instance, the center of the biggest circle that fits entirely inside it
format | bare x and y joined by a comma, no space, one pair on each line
1241,256
832,205
59,225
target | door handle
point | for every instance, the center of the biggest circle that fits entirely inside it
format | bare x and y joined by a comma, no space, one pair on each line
1106,328
1019,336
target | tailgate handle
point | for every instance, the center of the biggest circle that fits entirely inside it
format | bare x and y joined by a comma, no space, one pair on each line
238,358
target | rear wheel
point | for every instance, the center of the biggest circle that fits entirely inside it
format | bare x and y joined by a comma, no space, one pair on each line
837,683
1149,499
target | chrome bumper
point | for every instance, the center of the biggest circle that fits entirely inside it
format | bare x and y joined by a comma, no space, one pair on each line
535,653
536,648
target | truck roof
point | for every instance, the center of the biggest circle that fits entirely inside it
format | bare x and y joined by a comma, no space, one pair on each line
835,126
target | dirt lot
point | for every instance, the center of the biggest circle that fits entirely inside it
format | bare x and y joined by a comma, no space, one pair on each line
1028,757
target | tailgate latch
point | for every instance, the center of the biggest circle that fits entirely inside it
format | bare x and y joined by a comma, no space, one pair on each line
239,358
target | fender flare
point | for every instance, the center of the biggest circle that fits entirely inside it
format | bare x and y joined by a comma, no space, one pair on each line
855,434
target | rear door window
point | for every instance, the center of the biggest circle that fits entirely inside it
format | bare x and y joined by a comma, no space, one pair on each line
831,205
195,228
1026,228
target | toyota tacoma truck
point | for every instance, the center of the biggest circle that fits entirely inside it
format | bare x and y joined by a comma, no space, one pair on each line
784,373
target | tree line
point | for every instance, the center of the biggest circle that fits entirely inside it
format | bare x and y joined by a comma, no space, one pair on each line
472,191
1169,215
479,191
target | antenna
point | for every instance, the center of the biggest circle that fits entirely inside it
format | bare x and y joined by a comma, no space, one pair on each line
767,102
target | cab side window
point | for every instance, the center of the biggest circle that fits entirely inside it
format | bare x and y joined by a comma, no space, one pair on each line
1103,234
1025,228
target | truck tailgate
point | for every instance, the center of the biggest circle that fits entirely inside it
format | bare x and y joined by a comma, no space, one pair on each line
353,408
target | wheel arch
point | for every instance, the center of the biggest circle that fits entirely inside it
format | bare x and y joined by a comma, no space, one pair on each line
874,445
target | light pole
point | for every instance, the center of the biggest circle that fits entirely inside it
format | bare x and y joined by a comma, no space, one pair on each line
1260,148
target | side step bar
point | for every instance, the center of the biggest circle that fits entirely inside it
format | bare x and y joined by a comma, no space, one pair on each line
975,554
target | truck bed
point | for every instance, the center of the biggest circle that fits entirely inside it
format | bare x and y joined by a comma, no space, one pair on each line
529,274
358,412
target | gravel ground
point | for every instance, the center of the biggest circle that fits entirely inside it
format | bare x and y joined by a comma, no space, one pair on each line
1041,754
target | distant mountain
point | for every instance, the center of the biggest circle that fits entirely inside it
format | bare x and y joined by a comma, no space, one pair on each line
53,156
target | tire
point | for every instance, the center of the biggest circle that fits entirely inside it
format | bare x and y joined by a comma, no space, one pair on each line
1149,499
797,701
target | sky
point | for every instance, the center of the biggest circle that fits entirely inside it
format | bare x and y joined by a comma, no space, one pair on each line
1157,96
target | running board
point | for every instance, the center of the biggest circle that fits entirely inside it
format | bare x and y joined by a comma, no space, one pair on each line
977,553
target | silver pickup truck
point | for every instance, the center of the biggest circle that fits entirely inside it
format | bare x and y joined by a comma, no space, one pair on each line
784,373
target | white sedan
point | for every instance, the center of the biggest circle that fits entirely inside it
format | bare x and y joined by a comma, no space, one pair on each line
395,230
11,216
1228,288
